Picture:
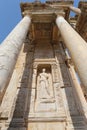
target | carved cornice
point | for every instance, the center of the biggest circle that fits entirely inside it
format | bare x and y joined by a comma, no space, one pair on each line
46,8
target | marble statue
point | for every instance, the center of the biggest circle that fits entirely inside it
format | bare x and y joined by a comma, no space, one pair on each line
44,83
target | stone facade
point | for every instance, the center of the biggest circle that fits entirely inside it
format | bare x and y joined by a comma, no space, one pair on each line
43,92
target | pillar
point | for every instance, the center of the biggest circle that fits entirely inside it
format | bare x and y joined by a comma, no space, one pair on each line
76,46
75,10
10,49
79,92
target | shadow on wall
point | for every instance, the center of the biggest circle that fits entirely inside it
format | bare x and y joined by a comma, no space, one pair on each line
22,106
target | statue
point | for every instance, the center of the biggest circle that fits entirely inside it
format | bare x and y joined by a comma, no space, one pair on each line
44,85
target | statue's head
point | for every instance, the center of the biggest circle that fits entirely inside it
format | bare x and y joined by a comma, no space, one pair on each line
43,70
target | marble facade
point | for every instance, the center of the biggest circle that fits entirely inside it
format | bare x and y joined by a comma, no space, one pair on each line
43,91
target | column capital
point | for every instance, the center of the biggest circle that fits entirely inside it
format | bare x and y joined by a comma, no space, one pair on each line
28,16
26,13
59,20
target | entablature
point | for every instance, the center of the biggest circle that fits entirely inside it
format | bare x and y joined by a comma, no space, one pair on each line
43,17
46,8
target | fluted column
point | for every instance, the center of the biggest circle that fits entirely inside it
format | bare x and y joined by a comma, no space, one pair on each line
75,10
10,49
76,46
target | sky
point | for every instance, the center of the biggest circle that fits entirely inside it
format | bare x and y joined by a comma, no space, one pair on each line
10,15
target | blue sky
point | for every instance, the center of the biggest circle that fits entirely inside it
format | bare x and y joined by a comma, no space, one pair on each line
10,15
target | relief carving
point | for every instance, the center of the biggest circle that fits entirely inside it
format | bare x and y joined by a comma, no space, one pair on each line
55,73
47,97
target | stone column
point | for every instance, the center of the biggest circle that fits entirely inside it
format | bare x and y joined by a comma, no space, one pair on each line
10,49
76,46
78,91
75,10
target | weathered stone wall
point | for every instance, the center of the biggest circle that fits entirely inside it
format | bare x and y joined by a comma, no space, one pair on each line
23,105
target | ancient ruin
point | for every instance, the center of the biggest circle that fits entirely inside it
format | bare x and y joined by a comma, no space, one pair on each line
43,68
